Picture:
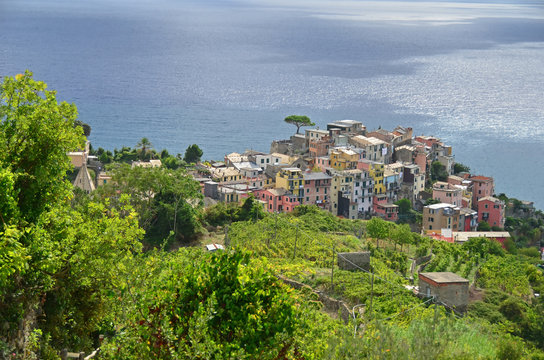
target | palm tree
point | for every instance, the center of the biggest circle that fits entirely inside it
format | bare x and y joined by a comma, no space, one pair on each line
144,147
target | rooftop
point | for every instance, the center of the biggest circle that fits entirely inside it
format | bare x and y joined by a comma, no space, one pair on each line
441,206
492,199
463,236
480,178
316,176
443,277
347,122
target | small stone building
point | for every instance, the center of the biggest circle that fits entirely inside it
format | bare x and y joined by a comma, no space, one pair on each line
354,260
449,288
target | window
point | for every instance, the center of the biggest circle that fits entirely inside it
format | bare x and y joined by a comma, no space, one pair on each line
307,190
262,161
307,198
317,197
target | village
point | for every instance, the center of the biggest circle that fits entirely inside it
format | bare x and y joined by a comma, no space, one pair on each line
352,173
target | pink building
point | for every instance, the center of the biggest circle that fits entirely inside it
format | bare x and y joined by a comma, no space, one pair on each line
389,212
277,200
482,186
447,193
420,159
491,210
317,189
323,163
455,180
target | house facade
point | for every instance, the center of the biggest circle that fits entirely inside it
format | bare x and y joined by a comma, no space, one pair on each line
441,216
317,189
446,193
491,210
482,186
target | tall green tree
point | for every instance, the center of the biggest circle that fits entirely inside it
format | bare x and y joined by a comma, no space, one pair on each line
144,149
56,263
192,154
36,132
378,228
438,171
459,168
299,121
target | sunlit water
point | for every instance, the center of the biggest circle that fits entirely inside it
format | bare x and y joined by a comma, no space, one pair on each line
224,74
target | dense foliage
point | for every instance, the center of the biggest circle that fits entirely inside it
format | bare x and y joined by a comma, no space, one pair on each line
167,201
71,267
57,262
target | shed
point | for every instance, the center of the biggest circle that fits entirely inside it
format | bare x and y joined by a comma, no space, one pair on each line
447,287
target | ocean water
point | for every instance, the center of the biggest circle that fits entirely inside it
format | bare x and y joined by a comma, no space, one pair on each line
224,74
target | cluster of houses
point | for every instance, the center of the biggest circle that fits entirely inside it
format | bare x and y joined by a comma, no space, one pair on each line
355,173
349,171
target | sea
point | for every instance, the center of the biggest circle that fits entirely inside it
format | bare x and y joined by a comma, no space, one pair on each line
224,74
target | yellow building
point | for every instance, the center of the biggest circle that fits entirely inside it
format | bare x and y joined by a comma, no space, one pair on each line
344,159
376,172
291,179
228,174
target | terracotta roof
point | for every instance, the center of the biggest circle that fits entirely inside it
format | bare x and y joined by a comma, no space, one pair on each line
481,178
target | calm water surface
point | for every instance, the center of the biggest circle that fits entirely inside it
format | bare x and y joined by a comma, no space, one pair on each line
223,74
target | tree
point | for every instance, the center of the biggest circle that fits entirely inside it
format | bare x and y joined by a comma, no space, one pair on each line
299,121
405,206
401,234
165,200
55,261
459,168
438,171
86,127
192,154
484,226
378,228
36,132
144,148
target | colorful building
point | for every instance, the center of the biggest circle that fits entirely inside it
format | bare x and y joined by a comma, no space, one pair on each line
320,146
317,189
482,186
376,172
441,216
344,158
291,179
384,209
446,193
491,210
277,200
